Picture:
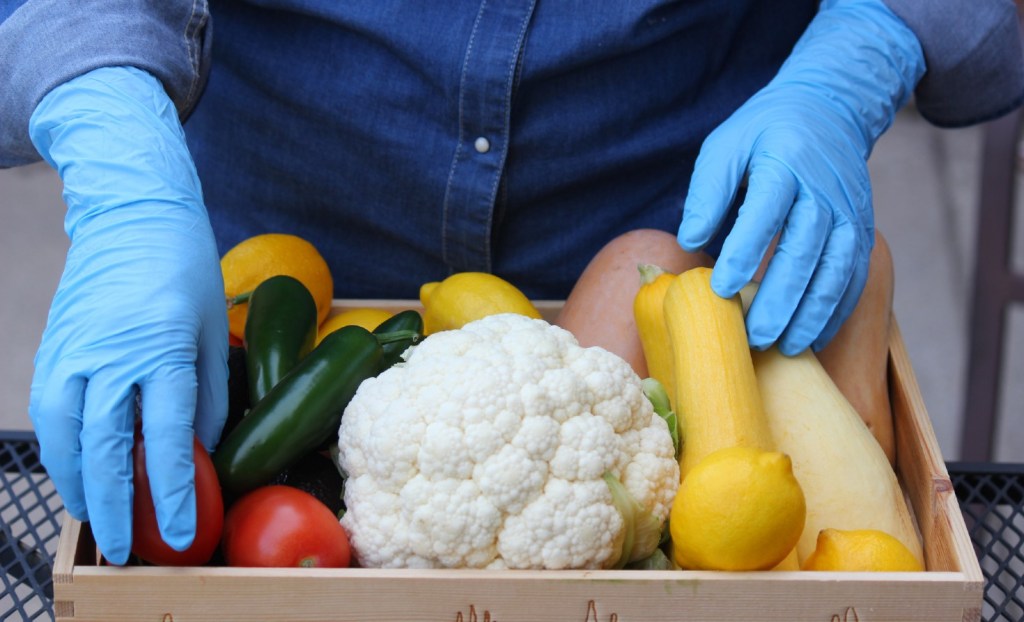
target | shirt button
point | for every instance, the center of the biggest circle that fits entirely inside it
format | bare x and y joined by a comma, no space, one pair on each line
482,145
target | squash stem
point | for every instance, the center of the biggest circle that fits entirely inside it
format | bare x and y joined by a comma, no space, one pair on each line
649,273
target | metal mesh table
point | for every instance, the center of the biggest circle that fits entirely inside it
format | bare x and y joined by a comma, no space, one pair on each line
991,498
30,512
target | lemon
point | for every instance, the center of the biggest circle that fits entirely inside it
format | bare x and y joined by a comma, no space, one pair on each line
467,296
739,508
365,317
255,259
861,550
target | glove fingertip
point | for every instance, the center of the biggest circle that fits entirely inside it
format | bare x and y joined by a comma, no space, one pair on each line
176,517
76,508
726,282
758,338
693,233
117,556
114,541
823,339
179,540
792,347
797,338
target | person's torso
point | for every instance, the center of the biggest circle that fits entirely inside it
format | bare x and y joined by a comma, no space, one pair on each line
410,140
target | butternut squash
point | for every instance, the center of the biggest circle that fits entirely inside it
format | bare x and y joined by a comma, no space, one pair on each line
649,313
847,480
718,401
857,358
599,309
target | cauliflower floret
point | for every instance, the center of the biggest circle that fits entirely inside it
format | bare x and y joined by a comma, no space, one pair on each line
487,447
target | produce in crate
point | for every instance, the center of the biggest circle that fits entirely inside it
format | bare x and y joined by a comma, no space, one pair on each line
861,550
280,329
255,259
301,412
407,321
723,520
147,542
366,317
282,527
490,447
599,309
649,314
467,296
718,400
857,358
847,478
317,474
739,508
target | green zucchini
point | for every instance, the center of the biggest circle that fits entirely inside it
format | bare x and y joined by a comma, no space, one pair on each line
280,330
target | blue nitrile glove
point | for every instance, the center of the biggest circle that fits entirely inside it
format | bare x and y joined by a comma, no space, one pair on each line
140,308
802,143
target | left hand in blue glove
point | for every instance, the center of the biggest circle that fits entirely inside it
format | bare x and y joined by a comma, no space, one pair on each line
802,143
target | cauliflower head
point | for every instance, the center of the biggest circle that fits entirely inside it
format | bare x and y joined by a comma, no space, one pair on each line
489,447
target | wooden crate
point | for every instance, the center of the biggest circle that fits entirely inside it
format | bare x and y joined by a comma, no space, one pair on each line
951,589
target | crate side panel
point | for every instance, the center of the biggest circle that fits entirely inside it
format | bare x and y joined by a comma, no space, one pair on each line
509,596
922,470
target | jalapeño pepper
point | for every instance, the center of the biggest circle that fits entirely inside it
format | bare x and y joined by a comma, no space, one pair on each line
280,329
409,320
301,411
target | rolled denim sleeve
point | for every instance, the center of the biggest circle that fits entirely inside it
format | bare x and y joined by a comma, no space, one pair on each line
974,58
44,43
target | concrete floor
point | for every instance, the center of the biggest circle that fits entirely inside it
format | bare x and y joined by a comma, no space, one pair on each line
926,188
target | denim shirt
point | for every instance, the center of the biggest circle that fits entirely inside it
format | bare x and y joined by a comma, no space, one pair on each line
507,136
411,140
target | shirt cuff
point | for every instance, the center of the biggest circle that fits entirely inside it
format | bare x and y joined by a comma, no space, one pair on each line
45,43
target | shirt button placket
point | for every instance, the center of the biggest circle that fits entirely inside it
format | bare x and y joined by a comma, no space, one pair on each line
485,94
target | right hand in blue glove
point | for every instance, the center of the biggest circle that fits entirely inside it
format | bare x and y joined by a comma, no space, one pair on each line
802,142
139,308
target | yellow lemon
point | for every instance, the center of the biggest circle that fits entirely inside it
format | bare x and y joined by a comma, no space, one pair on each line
260,257
861,550
365,317
739,508
467,296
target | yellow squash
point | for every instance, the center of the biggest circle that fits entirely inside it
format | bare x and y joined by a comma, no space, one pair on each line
649,312
846,477
718,402
720,410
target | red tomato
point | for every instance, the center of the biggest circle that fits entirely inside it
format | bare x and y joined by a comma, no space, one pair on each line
281,527
146,540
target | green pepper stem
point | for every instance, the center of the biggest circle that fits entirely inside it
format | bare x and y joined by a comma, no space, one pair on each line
239,299
398,335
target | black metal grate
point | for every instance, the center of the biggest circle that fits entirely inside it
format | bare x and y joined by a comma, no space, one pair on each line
992,502
991,498
29,530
